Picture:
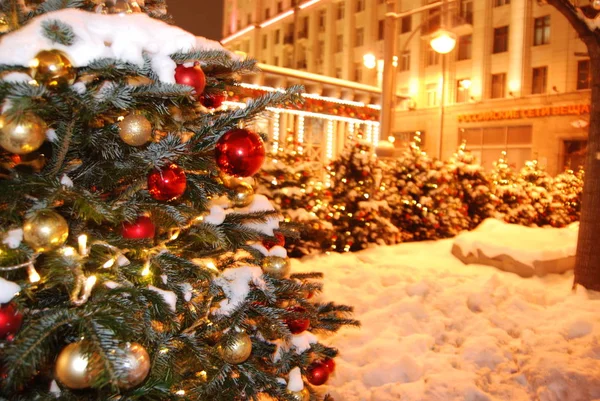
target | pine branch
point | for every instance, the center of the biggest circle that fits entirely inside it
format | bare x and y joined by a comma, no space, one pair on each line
225,121
66,137
55,5
161,90
113,69
34,345
58,32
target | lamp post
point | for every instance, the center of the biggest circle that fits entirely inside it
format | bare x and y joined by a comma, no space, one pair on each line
442,42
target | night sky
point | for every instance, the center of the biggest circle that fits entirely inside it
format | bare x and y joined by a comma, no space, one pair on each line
200,17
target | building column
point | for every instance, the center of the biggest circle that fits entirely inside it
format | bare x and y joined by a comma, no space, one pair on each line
481,49
349,37
518,35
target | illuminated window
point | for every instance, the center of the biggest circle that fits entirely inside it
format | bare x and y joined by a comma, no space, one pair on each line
431,91
583,74
465,44
340,10
322,20
462,90
500,39
541,34
360,37
431,57
539,80
487,144
498,85
405,60
406,24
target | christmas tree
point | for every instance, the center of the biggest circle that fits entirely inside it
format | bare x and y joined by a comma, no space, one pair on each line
136,263
566,193
472,185
424,197
295,185
512,202
537,184
358,216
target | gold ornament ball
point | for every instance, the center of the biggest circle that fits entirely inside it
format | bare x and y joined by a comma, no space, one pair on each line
52,68
302,395
45,231
135,129
72,367
596,4
244,193
135,365
23,135
276,266
239,349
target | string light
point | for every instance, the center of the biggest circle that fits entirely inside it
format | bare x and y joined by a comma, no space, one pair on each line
146,269
300,134
306,114
109,263
82,241
34,277
238,34
369,137
276,133
351,131
313,96
277,18
375,136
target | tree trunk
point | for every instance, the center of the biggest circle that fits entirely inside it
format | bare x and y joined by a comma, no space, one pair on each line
587,267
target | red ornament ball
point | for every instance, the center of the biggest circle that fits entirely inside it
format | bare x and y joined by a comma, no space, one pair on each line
240,152
297,325
167,184
191,76
330,363
317,373
142,228
213,100
278,241
10,320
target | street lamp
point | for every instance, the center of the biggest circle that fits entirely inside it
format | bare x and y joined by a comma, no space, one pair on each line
443,41
370,61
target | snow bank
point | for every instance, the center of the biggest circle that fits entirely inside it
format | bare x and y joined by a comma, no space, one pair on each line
519,249
434,329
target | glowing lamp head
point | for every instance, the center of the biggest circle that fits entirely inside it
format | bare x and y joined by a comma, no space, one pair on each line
443,41
370,61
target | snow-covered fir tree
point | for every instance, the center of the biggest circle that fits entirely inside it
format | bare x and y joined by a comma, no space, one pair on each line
295,185
566,191
134,265
512,202
537,183
424,197
472,185
358,215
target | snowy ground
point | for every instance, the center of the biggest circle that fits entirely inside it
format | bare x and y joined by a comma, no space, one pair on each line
435,329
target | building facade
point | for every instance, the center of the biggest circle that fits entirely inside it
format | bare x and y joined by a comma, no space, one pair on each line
517,80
